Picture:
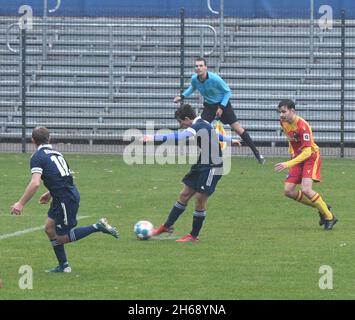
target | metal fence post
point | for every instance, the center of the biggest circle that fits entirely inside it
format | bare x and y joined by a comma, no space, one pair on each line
110,64
44,30
23,86
342,90
182,50
311,32
222,31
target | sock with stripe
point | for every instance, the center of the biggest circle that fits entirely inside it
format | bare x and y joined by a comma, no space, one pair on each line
198,218
301,197
82,232
174,214
321,206
59,251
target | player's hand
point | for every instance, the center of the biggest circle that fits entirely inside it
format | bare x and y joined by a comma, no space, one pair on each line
16,208
45,198
177,99
147,138
236,142
280,166
219,112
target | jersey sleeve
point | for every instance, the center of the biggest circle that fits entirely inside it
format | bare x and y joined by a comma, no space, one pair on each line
305,135
224,88
177,135
190,89
305,154
195,127
223,138
36,164
290,149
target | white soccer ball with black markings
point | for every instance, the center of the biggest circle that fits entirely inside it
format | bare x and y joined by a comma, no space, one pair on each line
143,230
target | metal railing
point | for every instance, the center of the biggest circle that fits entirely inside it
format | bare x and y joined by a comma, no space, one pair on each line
111,27
45,21
100,71
221,26
133,25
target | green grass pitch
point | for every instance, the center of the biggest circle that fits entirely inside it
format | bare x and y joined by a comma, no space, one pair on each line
255,243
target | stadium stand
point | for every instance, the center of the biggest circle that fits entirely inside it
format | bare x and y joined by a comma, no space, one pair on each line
98,81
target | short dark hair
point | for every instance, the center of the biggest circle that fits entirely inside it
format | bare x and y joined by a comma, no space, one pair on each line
202,59
288,103
40,135
185,111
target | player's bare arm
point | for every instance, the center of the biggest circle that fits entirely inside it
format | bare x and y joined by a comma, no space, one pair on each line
219,112
45,198
177,99
235,142
31,189
280,166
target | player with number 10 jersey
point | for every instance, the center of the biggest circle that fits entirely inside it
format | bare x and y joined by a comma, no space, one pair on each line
55,171
58,180
50,166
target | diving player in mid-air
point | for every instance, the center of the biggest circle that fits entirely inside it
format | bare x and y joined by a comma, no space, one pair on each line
203,177
50,166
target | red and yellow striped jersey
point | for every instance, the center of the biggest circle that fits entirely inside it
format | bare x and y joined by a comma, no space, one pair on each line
299,135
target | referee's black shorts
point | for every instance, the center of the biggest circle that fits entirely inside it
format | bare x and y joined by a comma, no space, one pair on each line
209,113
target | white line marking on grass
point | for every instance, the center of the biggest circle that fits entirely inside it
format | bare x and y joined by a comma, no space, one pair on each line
21,232
164,238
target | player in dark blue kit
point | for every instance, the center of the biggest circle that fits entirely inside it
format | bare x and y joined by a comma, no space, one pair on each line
217,105
203,177
50,166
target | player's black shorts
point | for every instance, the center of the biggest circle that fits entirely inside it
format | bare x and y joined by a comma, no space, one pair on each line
203,181
64,212
209,113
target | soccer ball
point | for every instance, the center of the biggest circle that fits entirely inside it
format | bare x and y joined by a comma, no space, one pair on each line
143,230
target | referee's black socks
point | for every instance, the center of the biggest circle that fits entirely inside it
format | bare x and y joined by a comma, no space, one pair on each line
247,139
